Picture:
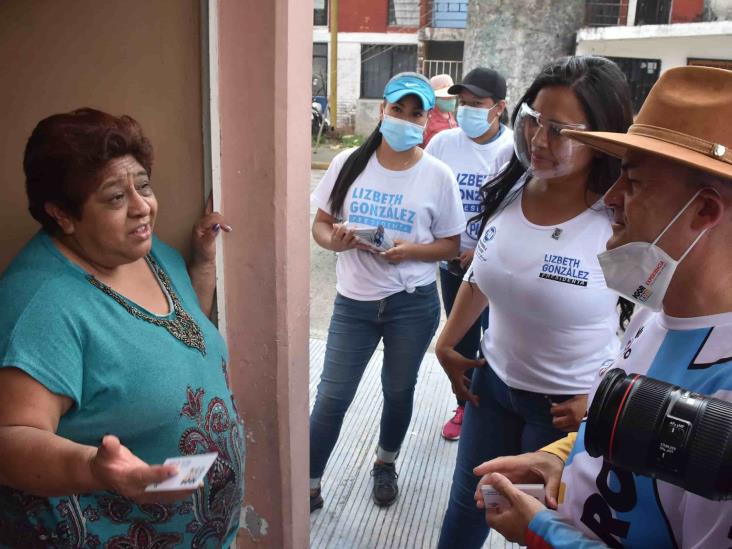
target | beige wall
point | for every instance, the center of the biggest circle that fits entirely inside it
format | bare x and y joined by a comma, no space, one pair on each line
125,57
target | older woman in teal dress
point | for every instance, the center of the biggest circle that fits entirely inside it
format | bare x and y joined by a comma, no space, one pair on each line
108,362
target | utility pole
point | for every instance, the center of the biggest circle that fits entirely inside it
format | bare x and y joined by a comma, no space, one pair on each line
333,100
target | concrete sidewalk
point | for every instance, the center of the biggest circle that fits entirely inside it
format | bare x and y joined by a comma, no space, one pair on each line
326,152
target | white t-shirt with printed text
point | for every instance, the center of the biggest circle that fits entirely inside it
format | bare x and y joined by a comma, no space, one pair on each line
420,204
552,319
473,165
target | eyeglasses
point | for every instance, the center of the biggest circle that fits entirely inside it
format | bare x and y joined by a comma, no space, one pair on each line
534,120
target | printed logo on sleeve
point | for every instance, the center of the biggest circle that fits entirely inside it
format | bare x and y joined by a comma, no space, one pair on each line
374,208
488,235
564,269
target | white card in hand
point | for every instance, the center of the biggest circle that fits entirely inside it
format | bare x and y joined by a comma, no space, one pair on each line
191,470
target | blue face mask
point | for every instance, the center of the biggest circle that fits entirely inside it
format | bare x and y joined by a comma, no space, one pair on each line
445,105
474,120
400,134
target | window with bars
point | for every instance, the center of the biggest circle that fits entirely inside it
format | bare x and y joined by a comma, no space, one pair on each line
320,69
403,13
380,62
652,12
641,75
606,13
320,13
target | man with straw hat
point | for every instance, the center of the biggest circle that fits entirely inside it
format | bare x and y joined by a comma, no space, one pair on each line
670,253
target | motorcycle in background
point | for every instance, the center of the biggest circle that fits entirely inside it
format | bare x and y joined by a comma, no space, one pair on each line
319,120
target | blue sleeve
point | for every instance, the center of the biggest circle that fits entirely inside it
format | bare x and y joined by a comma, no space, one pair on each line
547,531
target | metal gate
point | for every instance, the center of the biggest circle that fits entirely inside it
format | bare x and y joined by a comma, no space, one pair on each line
641,75
653,12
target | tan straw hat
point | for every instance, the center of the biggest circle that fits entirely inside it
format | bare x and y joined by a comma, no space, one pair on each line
687,117
440,83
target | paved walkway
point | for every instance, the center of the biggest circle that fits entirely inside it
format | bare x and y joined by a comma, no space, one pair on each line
349,519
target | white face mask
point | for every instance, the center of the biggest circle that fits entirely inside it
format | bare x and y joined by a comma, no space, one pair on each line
641,271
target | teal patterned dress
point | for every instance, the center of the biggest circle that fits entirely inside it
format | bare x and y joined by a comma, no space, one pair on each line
159,383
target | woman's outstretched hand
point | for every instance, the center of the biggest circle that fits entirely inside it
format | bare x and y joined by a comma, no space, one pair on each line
121,471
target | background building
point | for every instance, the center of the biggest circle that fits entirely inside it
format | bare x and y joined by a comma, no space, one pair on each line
518,37
647,37
379,39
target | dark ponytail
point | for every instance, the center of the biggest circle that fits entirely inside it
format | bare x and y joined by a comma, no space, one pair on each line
352,168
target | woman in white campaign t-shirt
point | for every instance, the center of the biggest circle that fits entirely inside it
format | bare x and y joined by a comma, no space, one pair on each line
475,152
552,319
382,295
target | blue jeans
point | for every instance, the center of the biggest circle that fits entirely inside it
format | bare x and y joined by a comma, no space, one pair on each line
406,322
507,422
469,345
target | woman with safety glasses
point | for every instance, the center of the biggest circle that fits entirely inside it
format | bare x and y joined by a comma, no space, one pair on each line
392,212
552,319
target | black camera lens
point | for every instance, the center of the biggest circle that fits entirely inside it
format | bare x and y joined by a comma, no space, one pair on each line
656,429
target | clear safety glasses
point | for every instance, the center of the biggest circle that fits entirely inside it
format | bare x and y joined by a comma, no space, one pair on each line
541,147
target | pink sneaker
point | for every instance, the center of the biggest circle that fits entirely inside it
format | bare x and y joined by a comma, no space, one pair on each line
451,430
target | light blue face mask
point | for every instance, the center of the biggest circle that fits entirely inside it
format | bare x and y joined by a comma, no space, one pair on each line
446,104
474,120
400,134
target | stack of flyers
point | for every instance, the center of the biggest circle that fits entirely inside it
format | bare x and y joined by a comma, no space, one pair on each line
375,238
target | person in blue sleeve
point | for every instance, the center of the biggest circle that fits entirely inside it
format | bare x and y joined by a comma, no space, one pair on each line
108,361
669,252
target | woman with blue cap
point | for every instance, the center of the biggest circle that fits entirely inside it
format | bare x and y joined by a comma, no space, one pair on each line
388,291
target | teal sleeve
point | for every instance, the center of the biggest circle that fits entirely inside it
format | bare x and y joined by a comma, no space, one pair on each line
44,341
547,531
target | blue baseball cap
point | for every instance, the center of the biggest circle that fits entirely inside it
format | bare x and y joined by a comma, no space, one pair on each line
406,83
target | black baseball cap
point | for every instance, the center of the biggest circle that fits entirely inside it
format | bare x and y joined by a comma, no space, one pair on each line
482,82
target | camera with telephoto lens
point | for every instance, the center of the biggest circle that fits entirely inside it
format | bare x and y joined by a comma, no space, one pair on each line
652,428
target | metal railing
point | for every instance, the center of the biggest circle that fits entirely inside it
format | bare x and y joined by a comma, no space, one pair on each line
607,13
432,67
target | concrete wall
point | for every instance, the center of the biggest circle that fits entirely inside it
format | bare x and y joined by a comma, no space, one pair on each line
717,10
368,112
265,158
362,16
349,81
136,58
687,11
518,37
672,44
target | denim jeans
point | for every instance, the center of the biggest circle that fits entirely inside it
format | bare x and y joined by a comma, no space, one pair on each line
469,345
406,322
507,422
